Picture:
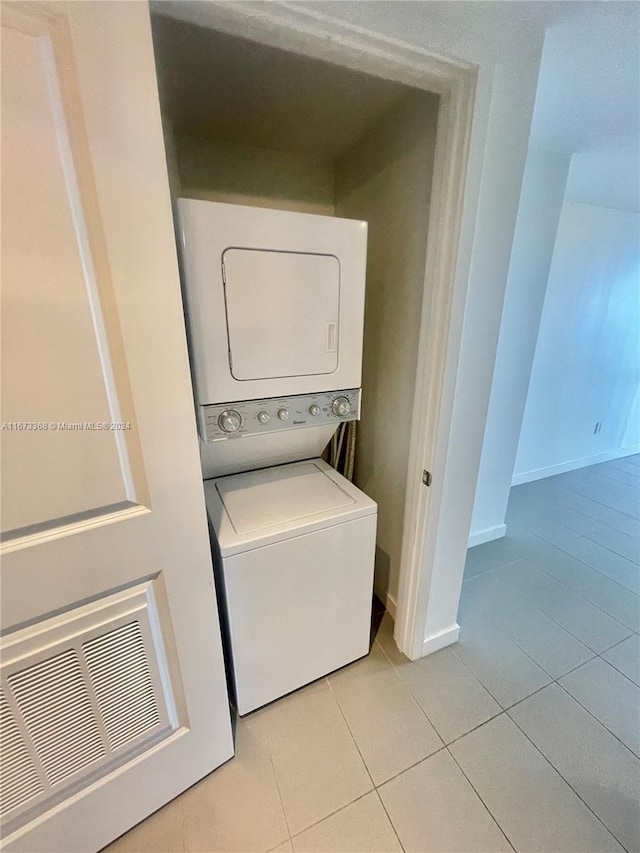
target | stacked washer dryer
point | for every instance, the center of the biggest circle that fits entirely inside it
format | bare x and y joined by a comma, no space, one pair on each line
275,309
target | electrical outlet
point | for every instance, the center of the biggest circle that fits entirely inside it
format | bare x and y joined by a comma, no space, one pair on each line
597,428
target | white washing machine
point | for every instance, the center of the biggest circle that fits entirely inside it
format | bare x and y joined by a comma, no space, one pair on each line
275,308
296,547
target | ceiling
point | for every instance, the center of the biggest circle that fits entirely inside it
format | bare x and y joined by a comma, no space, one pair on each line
587,104
588,98
219,86
589,86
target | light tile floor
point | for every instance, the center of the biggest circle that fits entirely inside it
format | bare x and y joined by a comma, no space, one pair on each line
525,735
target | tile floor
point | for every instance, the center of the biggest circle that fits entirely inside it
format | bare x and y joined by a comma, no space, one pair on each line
525,735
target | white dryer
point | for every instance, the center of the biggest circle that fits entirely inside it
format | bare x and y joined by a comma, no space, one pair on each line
275,307
296,548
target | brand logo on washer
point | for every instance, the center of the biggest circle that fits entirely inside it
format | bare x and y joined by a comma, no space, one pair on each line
299,422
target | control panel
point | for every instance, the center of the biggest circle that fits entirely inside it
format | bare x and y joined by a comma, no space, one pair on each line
257,417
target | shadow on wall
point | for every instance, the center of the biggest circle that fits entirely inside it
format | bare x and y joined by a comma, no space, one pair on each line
382,573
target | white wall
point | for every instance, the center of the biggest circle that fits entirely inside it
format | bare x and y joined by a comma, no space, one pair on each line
587,362
513,94
508,62
606,177
543,189
243,174
386,179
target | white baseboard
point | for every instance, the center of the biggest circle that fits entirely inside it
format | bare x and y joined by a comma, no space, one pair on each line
563,467
487,535
388,600
440,640
390,605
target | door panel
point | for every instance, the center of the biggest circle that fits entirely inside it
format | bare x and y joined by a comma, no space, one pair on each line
58,378
113,690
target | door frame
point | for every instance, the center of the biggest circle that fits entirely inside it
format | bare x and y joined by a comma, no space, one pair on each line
322,37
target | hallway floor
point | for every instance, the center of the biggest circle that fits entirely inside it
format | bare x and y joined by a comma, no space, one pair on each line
525,735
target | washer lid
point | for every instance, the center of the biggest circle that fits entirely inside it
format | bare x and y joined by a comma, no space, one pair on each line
263,507
275,496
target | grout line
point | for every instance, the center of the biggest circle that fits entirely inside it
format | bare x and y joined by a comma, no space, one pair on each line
524,698
574,592
503,708
411,696
635,632
551,619
624,589
607,577
183,833
555,769
478,679
422,710
484,722
571,485
619,482
612,550
500,566
284,811
575,534
604,548
617,488
411,766
598,720
353,738
523,650
474,676
615,667
607,505
393,827
614,645
417,701
627,467
331,814
624,675
491,815
597,520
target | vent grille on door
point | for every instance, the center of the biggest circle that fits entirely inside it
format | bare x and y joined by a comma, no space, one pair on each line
20,781
53,700
122,683
81,693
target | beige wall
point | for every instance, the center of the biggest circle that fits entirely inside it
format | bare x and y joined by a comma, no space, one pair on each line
386,179
242,174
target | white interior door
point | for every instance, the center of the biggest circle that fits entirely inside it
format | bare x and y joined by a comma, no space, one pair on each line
113,690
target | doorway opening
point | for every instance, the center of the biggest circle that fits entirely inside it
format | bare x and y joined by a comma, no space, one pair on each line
352,135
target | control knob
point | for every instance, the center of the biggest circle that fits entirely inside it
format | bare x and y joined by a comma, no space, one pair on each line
341,406
230,420
314,410
283,414
264,417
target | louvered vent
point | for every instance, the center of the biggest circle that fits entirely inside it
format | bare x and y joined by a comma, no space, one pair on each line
119,670
54,702
20,780
82,694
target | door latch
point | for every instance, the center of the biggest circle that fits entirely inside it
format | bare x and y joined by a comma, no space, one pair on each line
426,478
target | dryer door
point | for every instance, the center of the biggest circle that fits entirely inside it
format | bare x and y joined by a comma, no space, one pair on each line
282,313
